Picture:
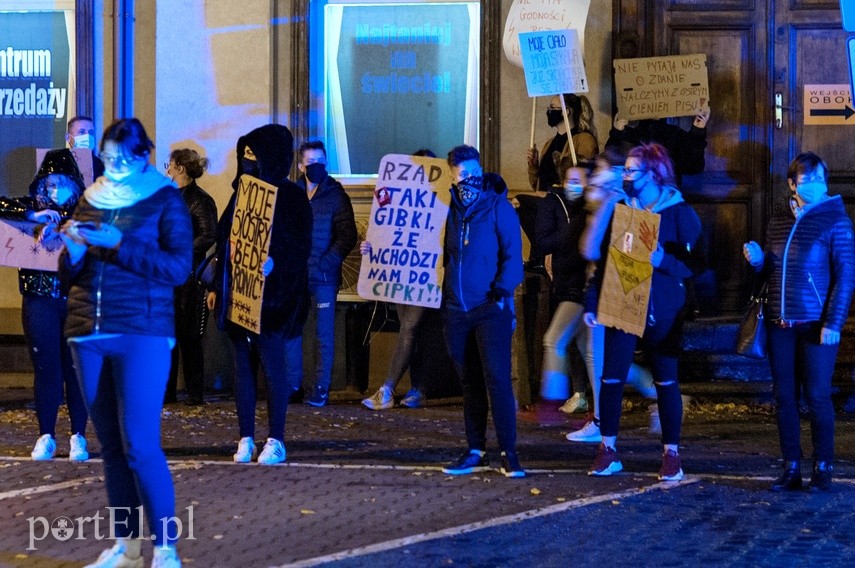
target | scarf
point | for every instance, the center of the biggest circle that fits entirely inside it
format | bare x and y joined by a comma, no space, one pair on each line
106,194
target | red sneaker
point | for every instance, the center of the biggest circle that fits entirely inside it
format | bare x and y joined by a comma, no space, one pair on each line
672,467
606,461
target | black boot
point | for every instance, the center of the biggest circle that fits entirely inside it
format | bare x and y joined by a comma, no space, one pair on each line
820,478
791,478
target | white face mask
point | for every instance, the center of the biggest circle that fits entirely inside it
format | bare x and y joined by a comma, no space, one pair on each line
117,177
84,141
573,191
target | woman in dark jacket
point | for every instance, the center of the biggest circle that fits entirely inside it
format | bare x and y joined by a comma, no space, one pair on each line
53,195
560,222
649,184
185,166
127,246
267,153
809,264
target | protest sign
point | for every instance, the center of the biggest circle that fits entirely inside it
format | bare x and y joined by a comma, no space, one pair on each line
406,231
540,15
21,249
625,291
83,157
250,241
552,61
659,87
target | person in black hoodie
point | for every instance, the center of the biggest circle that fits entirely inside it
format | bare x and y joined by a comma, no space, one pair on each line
649,184
185,166
333,237
267,154
483,267
809,265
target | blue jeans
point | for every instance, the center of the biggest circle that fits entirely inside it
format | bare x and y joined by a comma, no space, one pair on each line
565,328
125,403
797,359
479,343
409,317
43,320
323,306
268,348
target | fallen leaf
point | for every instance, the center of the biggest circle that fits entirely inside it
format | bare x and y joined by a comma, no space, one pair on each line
535,491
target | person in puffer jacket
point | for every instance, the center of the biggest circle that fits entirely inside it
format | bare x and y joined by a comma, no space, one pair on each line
483,266
809,265
128,244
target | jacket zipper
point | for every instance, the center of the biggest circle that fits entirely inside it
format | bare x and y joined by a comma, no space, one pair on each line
463,243
815,291
784,270
100,283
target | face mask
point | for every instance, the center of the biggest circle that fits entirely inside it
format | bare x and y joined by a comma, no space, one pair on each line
554,117
316,172
811,192
573,191
469,188
117,177
84,141
249,167
629,188
60,194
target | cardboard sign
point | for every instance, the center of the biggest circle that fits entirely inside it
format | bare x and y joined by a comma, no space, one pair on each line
21,249
406,231
540,15
659,87
828,104
83,157
625,292
252,227
552,61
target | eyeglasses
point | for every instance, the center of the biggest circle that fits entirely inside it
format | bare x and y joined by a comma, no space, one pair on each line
120,160
630,171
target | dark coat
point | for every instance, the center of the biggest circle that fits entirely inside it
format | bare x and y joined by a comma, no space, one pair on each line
686,148
483,248
559,227
203,214
333,230
810,265
130,289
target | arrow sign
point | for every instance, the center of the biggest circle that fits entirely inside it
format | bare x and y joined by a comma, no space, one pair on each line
845,112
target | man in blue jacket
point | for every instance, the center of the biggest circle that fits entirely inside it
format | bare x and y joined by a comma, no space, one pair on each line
333,237
483,266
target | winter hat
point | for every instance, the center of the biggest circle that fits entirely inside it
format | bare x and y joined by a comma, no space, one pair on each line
60,161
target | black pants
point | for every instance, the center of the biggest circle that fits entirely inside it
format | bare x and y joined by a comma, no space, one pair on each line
190,317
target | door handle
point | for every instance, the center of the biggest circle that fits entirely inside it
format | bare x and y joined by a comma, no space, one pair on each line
779,110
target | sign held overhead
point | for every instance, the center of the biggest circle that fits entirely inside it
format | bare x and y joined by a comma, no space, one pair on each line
661,87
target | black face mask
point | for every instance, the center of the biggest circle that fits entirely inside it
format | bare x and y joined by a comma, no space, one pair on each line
554,117
249,167
629,188
316,173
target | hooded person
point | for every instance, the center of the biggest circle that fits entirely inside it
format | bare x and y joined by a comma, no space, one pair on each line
53,194
267,154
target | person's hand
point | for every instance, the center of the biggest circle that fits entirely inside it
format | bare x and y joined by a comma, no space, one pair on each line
45,216
75,249
211,300
657,255
49,232
267,267
105,236
532,156
702,118
753,253
590,319
620,123
364,248
829,337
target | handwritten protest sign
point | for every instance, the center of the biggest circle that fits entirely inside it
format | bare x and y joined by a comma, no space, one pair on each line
83,157
659,87
540,15
250,241
21,249
552,61
625,292
406,231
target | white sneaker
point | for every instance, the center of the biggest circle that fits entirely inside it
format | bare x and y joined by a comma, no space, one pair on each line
78,451
590,433
574,404
380,400
44,449
165,557
115,558
246,450
272,453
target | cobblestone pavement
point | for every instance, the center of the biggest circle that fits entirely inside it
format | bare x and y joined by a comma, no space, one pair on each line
363,488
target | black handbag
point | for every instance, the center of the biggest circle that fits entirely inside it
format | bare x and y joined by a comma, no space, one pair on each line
205,271
751,337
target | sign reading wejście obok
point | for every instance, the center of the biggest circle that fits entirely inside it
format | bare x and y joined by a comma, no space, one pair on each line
252,226
406,231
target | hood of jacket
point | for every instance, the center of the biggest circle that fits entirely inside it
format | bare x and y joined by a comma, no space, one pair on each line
668,197
273,146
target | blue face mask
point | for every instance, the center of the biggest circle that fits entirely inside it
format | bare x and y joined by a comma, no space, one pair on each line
812,191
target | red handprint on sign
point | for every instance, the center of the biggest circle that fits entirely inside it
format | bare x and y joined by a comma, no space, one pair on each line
647,234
